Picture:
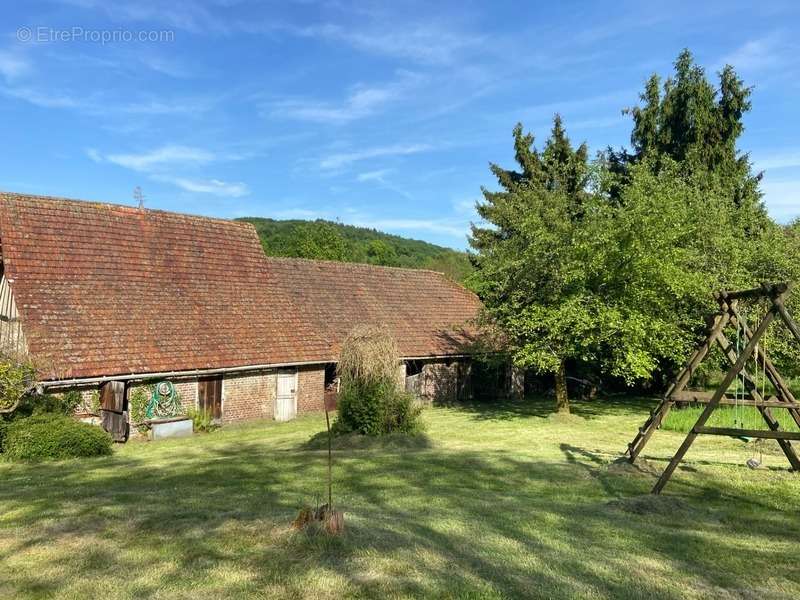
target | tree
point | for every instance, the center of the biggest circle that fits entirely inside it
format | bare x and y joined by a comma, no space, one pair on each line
697,126
381,253
322,241
528,272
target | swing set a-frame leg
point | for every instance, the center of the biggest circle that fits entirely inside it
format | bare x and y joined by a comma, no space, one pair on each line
732,373
782,390
752,388
678,385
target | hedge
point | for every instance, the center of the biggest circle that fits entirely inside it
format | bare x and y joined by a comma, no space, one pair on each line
53,436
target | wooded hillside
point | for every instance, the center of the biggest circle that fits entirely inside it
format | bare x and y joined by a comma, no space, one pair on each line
327,240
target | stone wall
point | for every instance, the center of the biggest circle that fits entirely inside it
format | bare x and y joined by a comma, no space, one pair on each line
445,382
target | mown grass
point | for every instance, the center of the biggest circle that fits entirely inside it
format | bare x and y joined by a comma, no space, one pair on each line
744,417
500,501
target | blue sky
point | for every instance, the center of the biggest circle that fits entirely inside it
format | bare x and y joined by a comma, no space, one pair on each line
384,115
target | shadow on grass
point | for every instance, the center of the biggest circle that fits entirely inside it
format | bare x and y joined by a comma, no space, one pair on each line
544,407
420,521
355,441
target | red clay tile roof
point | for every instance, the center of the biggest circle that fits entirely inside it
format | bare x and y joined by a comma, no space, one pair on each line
104,289
107,290
428,314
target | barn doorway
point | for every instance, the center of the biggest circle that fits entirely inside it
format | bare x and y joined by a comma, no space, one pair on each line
209,395
286,397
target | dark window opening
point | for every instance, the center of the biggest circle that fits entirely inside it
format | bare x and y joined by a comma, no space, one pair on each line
413,367
331,379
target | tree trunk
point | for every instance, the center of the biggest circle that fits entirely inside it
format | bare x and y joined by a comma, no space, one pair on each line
562,399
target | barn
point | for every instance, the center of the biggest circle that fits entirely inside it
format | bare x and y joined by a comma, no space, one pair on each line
103,294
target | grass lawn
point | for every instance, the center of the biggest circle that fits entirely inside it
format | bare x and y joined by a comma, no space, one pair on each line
742,417
500,501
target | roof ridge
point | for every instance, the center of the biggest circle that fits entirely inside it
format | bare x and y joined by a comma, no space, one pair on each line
355,264
112,205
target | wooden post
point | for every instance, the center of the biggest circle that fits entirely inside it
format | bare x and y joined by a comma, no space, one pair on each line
732,373
719,322
758,402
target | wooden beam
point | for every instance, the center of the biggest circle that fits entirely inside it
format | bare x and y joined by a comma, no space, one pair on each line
753,433
705,398
766,290
732,373
752,387
715,329
788,320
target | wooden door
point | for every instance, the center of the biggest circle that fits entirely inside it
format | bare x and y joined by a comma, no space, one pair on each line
286,399
114,410
209,395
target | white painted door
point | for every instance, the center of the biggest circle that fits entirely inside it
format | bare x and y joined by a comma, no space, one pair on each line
286,400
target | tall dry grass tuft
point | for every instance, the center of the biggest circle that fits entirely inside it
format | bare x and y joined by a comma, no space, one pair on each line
369,354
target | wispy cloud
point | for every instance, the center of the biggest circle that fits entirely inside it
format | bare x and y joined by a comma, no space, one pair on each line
99,105
188,15
785,159
160,164
344,159
13,65
430,43
427,43
215,187
164,157
447,227
361,101
758,54
378,175
50,99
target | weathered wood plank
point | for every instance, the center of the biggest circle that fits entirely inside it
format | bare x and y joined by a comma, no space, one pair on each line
732,373
752,433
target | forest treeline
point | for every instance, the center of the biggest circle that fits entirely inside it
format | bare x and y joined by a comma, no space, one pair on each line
328,240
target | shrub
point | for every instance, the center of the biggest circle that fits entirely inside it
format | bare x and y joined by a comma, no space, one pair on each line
201,420
138,402
94,402
370,401
54,436
17,375
360,408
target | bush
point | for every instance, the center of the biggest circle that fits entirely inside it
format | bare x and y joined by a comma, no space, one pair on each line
138,401
360,408
376,408
370,401
201,420
54,436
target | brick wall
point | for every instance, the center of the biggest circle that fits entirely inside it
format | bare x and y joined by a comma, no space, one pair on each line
245,396
310,389
186,389
248,396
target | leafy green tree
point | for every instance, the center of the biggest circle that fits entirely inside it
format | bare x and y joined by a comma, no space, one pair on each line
528,269
618,287
690,122
380,252
321,241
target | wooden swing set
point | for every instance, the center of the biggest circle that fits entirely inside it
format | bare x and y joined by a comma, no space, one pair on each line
749,345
